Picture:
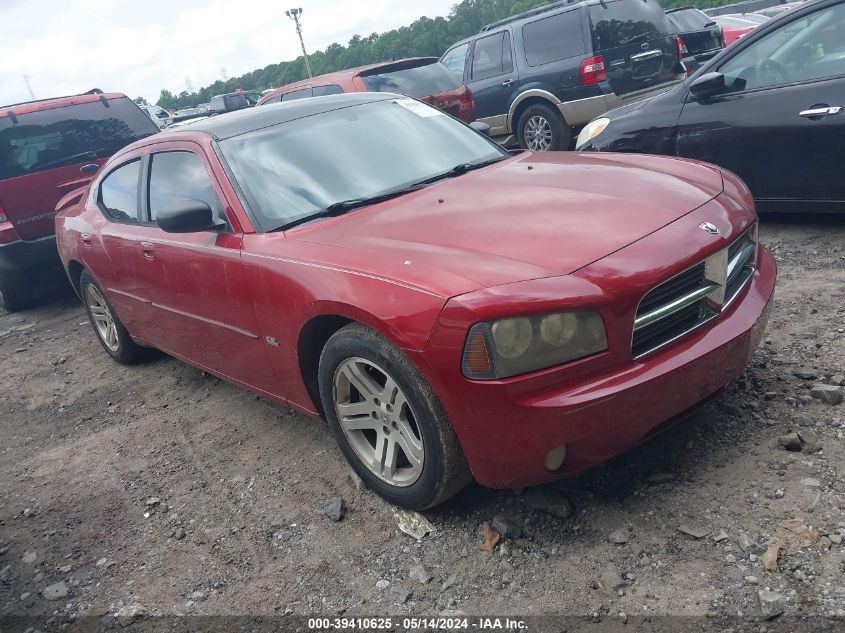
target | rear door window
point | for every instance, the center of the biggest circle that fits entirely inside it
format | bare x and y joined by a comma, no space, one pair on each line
456,60
73,134
418,81
176,176
552,39
490,59
305,93
119,193
330,89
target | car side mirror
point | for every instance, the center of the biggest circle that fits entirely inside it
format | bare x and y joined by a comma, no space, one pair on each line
481,127
188,216
708,85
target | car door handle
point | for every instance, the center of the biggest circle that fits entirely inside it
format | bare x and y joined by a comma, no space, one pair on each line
148,249
87,240
507,84
821,111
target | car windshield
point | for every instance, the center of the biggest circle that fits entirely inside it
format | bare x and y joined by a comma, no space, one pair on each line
296,169
687,20
420,81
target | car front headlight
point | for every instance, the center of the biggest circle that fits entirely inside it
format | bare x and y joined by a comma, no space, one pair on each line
509,347
591,131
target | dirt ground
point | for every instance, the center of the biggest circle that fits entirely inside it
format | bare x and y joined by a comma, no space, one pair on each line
240,527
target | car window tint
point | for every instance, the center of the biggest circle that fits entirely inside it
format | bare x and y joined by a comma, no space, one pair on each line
487,59
808,49
424,80
622,22
330,89
304,93
175,176
552,39
119,193
70,135
456,59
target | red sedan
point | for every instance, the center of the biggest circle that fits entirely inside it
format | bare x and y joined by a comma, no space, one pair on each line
452,310
735,26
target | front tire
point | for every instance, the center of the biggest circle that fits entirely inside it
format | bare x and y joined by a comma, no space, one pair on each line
388,422
15,291
107,326
542,129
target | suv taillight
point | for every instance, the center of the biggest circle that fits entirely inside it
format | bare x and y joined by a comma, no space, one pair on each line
593,71
2,215
466,109
682,47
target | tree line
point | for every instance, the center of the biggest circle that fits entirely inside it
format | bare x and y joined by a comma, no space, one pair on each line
424,37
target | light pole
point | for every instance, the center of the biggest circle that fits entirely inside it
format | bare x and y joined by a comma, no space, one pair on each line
294,14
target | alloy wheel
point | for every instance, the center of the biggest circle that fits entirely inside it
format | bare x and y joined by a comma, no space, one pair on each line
538,134
378,422
102,317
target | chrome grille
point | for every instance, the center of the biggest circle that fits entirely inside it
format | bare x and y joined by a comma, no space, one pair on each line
692,298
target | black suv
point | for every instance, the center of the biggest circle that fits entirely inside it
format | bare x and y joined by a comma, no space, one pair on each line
539,76
701,37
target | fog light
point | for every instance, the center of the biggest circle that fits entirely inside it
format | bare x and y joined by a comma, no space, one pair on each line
554,459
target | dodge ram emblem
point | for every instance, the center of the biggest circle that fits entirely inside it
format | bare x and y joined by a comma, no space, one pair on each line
709,227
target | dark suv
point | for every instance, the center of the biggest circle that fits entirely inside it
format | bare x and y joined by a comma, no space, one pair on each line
539,76
233,101
701,38
48,149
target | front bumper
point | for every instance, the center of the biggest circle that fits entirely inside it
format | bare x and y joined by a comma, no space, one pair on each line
506,431
21,254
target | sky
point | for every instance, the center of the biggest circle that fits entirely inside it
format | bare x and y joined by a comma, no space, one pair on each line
139,47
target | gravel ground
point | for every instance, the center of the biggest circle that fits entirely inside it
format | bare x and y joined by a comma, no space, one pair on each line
161,489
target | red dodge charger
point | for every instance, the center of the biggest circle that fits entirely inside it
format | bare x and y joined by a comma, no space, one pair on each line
451,309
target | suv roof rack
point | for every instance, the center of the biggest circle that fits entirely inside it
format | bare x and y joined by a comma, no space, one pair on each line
531,12
93,91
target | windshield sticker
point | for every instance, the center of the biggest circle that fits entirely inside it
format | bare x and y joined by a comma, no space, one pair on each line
420,109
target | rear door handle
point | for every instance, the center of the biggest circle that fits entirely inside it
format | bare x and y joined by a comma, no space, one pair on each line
149,250
508,83
821,111
87,240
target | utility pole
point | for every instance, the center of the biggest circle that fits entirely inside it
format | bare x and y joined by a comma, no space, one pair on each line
29,87
294,15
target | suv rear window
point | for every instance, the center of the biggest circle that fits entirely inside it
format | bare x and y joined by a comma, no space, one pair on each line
687,20
626,22
419,81
552,39
72,134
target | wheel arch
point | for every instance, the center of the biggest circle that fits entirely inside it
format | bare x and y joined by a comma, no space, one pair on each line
74,272
529,98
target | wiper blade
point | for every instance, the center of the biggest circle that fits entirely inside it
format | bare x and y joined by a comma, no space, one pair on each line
463,168
635,38
344,206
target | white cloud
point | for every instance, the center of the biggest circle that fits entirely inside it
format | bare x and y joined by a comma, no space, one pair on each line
69,46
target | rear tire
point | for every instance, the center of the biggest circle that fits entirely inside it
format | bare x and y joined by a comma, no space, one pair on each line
388,422
541,128
107,326
15,291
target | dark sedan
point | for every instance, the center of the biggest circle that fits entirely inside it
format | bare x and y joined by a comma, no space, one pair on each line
699,37
769,108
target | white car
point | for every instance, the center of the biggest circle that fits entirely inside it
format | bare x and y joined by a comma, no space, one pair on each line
161,117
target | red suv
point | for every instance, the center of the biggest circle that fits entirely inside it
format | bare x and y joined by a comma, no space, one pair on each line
47,149
423,78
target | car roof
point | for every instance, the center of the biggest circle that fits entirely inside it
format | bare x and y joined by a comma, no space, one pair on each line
349,73
231,124
17,109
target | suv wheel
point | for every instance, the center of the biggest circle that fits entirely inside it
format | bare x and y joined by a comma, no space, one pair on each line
15,291
542,129
388,422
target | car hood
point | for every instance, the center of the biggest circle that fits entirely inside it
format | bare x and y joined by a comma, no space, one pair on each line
534,216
